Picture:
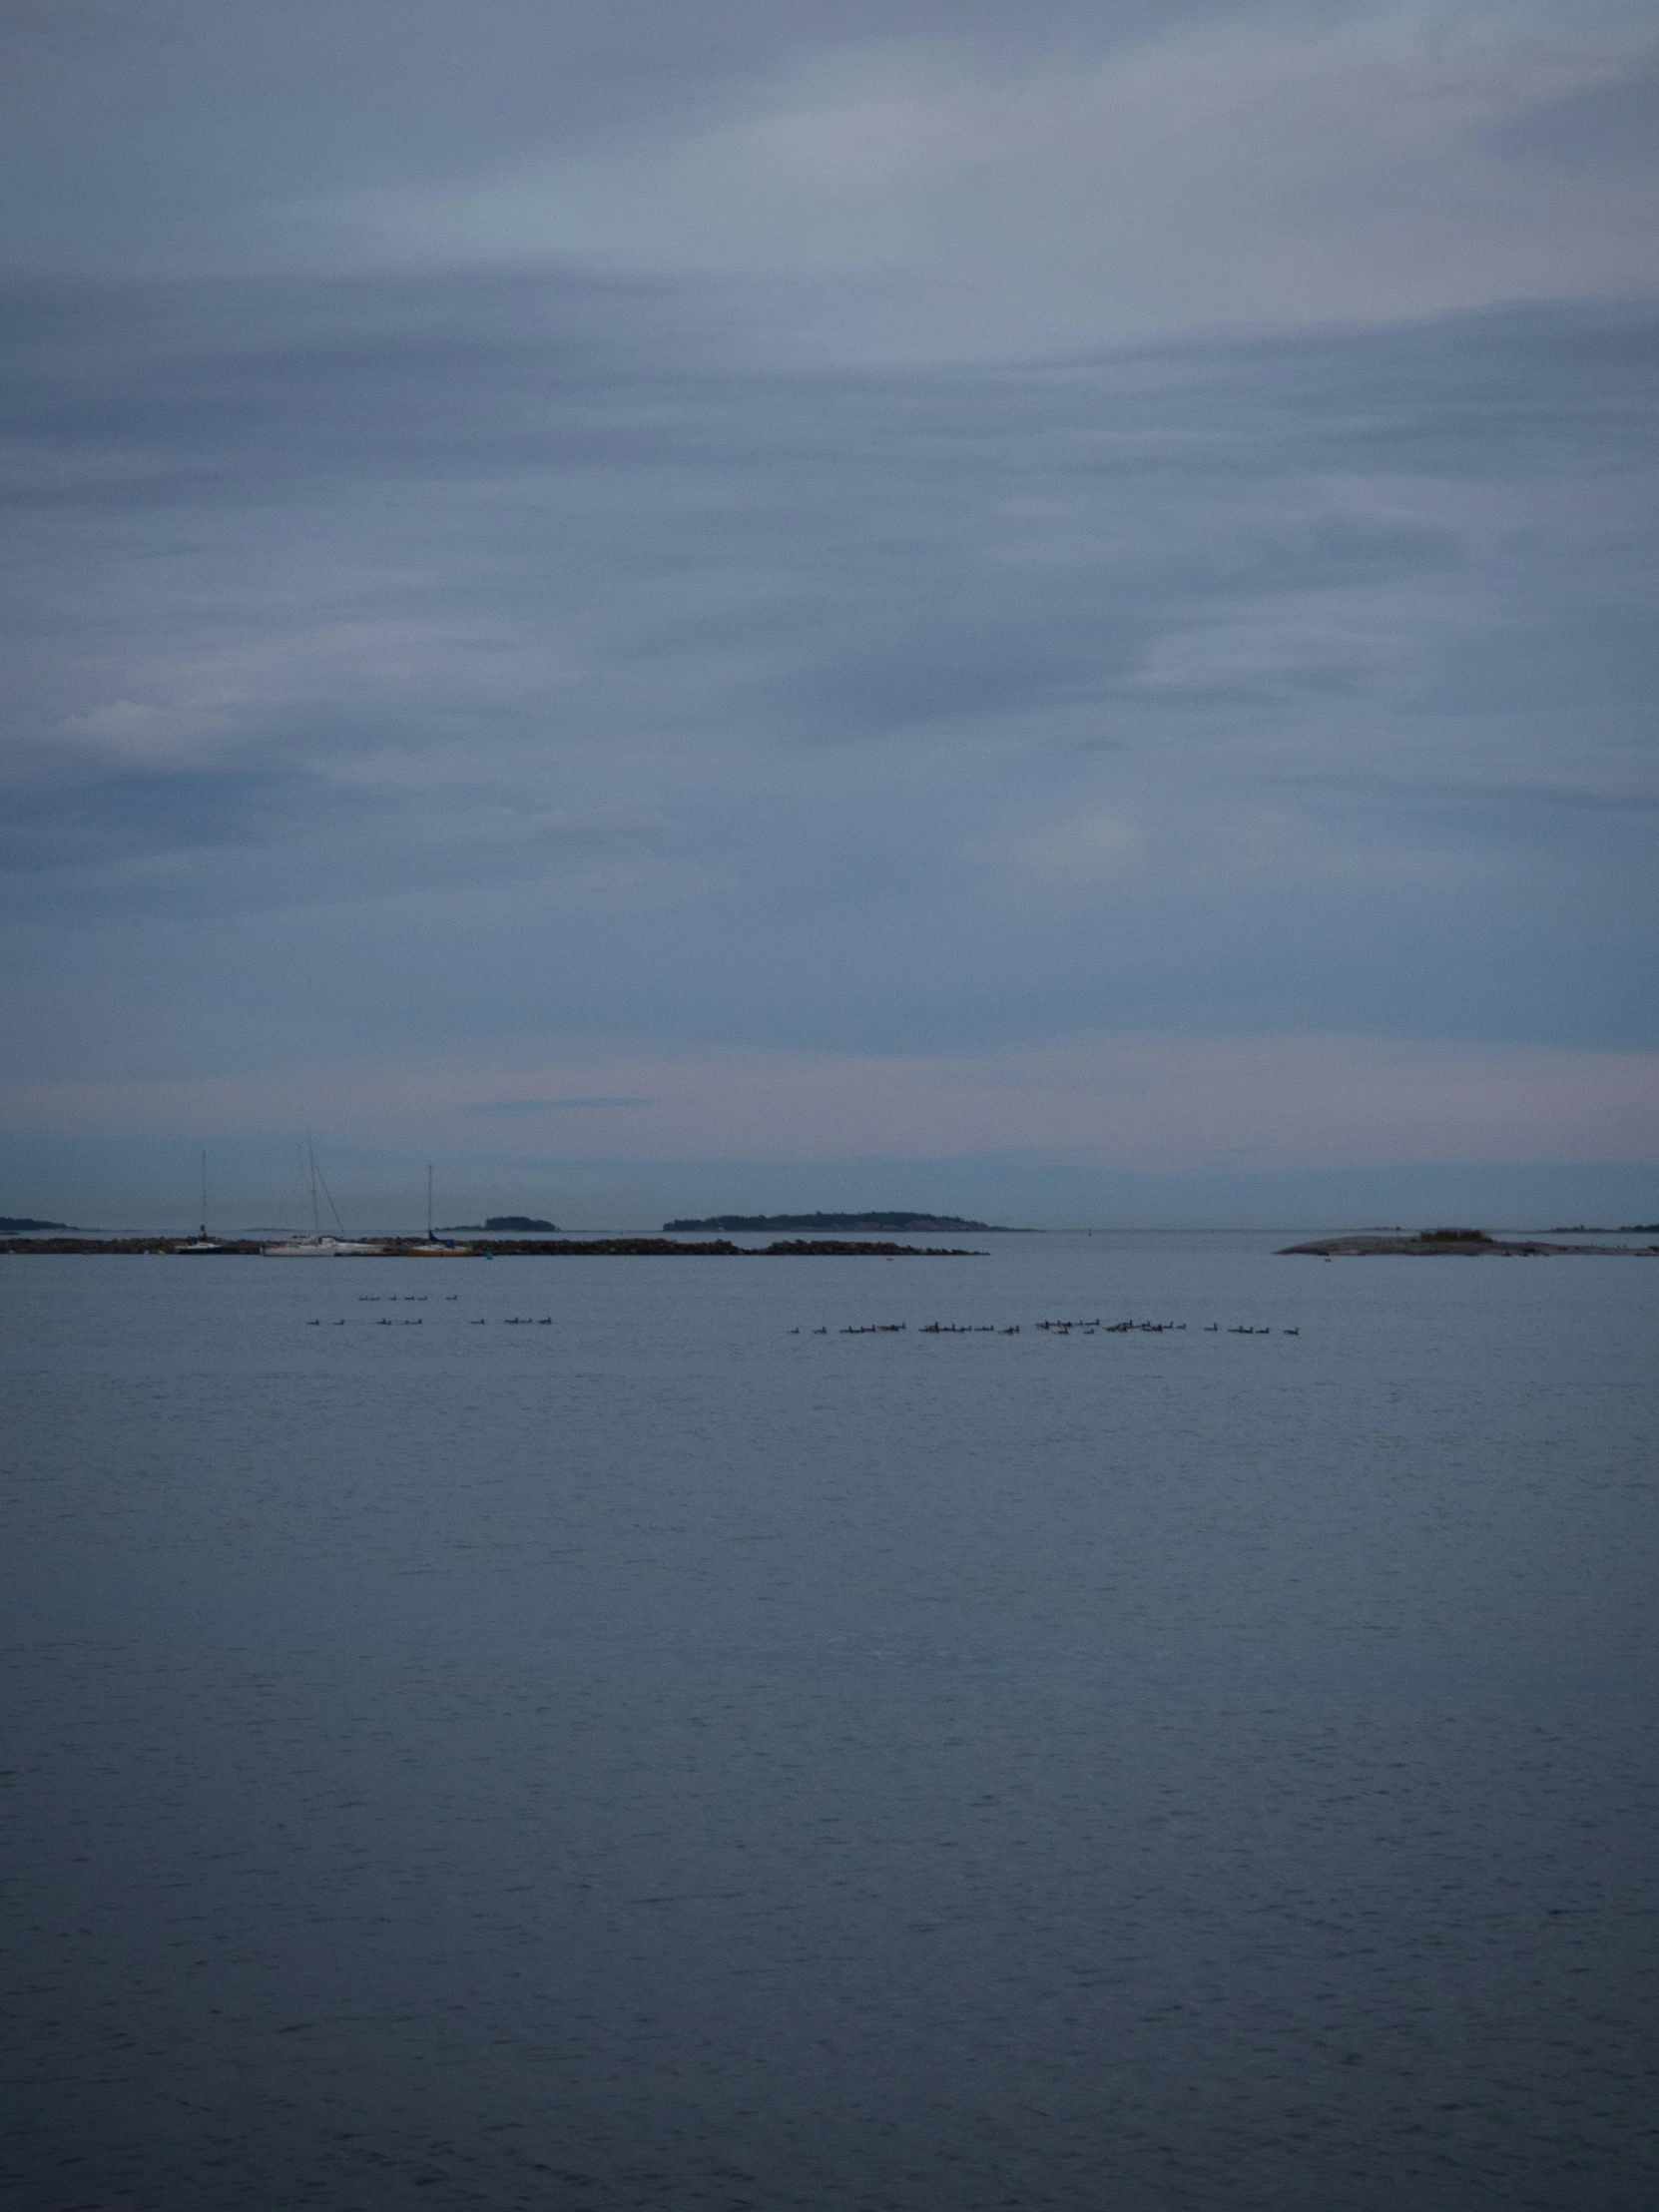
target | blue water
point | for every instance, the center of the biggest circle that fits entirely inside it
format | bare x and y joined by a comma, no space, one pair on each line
659,1760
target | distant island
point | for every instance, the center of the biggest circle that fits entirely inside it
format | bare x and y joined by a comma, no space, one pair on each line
1466,1243
1589,1229
763,1224
14,1225
504,1222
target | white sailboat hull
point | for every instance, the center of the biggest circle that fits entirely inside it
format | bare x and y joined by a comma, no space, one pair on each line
320,1248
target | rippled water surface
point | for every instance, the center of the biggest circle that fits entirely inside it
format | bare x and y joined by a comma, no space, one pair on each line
655,1758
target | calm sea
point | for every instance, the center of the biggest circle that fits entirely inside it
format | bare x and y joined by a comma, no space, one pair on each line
657,1759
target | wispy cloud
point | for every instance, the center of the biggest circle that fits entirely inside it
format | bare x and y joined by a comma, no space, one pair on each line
1274,166
1142,1103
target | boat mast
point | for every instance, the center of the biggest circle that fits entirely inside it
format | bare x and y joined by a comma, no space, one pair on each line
204,1190
428,1201
316,1227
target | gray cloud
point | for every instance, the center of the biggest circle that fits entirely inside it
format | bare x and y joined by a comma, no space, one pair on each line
1605,126
542,595
93,819
214,134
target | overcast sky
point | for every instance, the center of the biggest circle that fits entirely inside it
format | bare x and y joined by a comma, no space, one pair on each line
680,603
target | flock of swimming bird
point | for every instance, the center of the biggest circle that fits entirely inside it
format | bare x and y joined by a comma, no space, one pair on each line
512,1321
1095,1328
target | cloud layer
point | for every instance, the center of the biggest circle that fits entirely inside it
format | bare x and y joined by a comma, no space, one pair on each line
619,581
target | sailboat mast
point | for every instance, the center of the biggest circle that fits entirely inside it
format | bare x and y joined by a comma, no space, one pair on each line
316,1226
428,1201
204,1190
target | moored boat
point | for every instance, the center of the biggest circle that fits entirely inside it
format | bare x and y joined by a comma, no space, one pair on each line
435,1247
316,1245
200,1242
320,1247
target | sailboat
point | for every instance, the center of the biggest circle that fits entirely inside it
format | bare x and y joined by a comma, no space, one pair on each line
435,1247
202,1242
316,1245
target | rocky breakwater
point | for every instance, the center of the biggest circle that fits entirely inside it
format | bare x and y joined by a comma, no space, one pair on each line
539,1248
722,1248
